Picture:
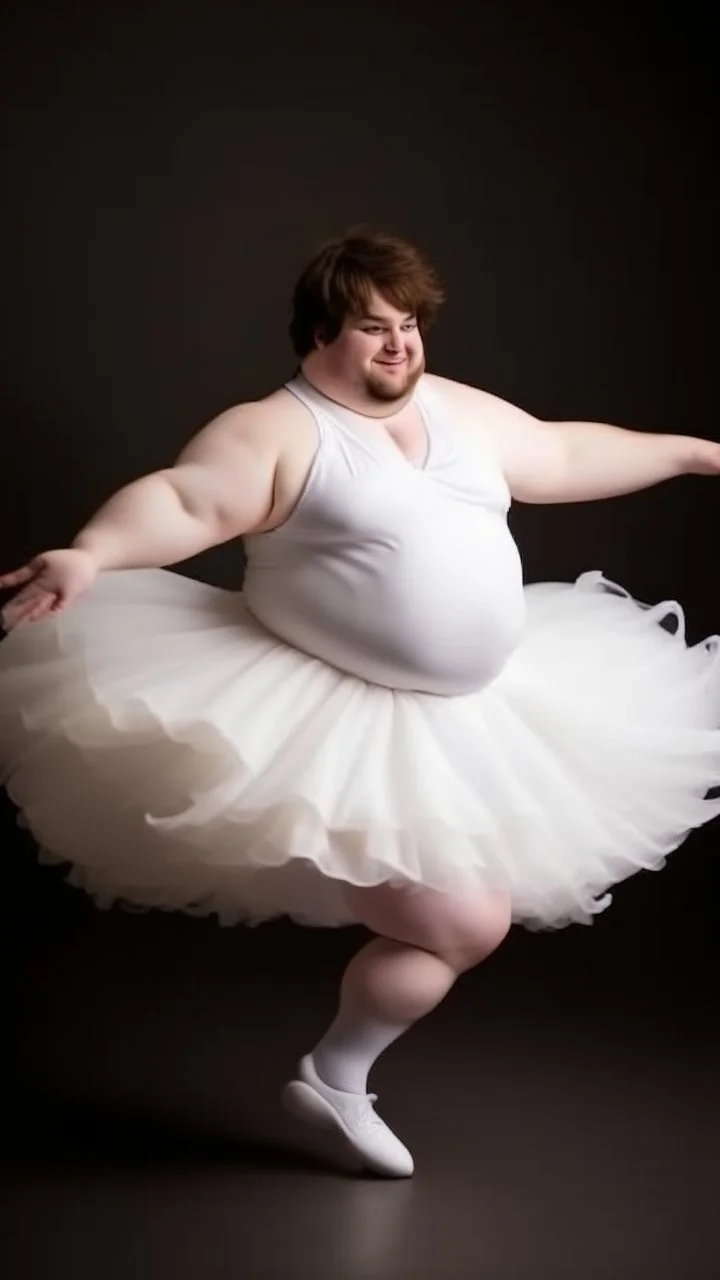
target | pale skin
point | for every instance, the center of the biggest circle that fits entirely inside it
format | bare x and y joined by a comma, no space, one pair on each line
243,473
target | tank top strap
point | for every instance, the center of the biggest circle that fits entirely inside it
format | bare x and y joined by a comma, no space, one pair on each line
443,444
303,392
335,424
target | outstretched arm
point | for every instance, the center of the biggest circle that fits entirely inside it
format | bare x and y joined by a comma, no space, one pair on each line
220,487
584,461
578,461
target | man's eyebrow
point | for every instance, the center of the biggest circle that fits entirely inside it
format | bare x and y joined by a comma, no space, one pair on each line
383,319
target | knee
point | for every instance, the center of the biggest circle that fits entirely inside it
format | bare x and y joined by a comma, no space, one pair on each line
478,929
462,931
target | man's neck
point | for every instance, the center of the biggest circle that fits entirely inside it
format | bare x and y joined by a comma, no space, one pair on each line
348,397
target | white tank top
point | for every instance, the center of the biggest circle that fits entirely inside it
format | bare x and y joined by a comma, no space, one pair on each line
406,576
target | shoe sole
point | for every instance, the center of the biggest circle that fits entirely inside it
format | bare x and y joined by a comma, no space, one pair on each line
305,1104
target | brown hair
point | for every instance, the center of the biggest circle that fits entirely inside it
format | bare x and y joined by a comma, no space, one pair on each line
337,282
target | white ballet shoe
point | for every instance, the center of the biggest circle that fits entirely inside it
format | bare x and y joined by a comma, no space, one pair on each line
350,1116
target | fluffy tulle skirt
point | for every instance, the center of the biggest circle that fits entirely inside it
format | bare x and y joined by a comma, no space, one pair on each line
178,756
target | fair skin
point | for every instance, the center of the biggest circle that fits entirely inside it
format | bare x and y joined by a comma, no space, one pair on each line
243,474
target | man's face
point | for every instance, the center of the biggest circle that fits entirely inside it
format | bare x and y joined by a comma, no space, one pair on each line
379,353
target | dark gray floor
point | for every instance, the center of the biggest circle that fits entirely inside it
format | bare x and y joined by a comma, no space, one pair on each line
546,1157
564,1116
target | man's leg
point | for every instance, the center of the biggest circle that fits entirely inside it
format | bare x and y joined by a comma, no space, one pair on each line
425,941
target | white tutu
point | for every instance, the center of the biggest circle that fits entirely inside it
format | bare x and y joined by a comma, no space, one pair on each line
180,757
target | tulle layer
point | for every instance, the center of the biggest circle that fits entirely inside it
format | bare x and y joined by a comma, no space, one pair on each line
178,756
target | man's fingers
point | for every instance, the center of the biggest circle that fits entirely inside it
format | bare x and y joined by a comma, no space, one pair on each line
30,609
17,577
40,610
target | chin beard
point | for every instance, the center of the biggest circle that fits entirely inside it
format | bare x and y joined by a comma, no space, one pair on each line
386,393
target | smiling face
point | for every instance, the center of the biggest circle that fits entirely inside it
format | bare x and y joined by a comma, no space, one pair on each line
378,355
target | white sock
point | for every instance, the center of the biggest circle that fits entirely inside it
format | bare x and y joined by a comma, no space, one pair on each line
350,1046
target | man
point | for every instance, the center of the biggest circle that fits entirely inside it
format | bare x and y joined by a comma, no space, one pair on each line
387,728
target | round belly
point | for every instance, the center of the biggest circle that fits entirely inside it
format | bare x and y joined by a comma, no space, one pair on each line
433,624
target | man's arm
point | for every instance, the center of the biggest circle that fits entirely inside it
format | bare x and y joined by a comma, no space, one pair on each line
220,487
576,461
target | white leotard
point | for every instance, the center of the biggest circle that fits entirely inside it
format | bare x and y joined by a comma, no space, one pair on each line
406,576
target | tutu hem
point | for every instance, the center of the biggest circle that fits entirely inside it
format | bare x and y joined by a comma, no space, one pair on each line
204,766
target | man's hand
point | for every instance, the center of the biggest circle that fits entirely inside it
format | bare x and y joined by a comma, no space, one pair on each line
51,583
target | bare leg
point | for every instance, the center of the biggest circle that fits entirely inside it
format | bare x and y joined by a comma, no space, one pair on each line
427,940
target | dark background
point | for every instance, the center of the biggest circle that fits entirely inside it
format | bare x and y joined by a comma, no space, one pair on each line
169,168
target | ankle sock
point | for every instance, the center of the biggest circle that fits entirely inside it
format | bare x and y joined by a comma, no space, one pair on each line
350,1046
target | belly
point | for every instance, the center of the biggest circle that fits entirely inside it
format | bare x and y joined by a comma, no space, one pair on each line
416,619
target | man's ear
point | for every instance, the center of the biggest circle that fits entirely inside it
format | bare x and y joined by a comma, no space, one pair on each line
319,337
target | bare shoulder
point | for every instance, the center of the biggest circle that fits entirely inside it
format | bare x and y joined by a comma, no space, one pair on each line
529,450
261,426
448,387
483,406
481,417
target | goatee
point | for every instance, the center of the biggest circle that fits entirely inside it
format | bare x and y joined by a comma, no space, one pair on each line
386,393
